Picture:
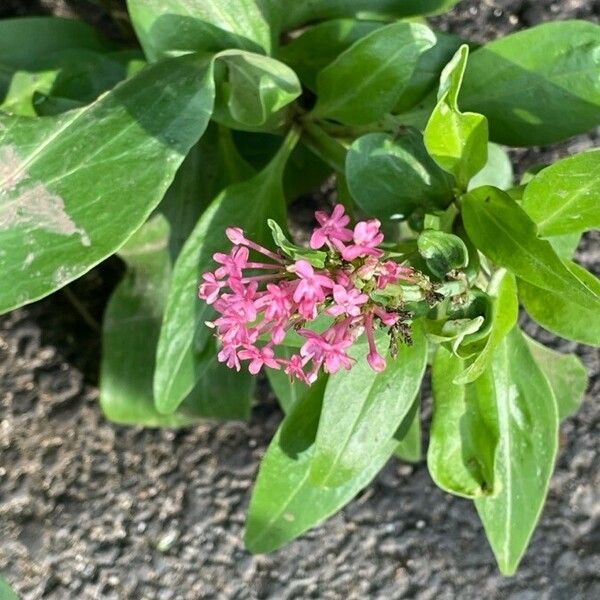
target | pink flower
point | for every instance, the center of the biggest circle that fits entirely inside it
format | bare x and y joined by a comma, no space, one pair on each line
346,302
375,360
392,272
366,238
333,354
333,227
294,367
236,235
233,263
277,301
241,302
259,357
310,290
210,288
387,318
266,298
229,356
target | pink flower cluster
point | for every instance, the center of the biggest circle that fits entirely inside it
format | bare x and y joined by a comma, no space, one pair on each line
256,311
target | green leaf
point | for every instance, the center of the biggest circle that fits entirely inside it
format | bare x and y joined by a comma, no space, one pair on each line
211,164
497,171
23,41
505,312
392,176
565,197
221,393
82,75
559,313
62,81
130,334
284,502
364,82
523,82
501,229
6,592
528,425
456,140
362,410
288,391
565,245
302,11
184,334
443,252
428,70
304,172
42,55
453,331
130,331
409,434
171,27
254,90
464,430
314,257
61,189
566,375
331,38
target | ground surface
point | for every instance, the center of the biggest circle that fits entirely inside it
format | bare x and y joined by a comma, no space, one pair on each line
90,510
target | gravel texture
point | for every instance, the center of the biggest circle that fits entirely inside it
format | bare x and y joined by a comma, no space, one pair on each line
90,510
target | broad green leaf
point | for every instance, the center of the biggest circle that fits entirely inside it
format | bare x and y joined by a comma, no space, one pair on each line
468,320
62,192
184,334
565,197
497,171
6,592
528,425
171,27
24,40
254,90
302,11
505,312
73,78
566,375
409,435
523,82
130,331
443,252
362,410
364,82
304,172
565,245
503,231
456,140
284,502
389,176
288,391
314,257
453,331
559,313
428,70
211,164
464,430
331,38
221,393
